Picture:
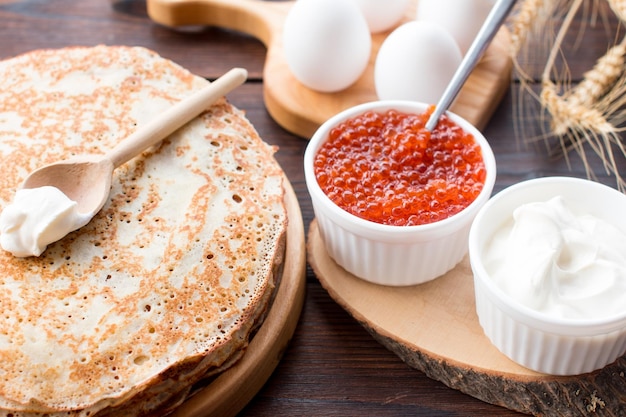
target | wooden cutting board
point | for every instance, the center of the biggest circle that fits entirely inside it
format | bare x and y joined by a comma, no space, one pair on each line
301,110
229,393
433,327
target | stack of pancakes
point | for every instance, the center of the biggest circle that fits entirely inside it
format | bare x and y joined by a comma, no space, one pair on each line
165,285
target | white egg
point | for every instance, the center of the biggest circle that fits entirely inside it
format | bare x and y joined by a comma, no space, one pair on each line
462,18
382,15
416,62
327,43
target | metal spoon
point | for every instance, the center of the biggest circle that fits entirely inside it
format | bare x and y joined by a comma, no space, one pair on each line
87,179
488,30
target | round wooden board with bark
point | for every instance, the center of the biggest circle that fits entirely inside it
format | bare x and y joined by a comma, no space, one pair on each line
433,327
229,392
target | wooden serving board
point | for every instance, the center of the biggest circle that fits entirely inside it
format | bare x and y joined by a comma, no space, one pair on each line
433,327
301,110
229,393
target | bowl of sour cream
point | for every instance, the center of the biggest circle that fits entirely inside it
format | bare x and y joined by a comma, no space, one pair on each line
548,257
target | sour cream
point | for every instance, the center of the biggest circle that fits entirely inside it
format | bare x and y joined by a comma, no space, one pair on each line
36,218
560,263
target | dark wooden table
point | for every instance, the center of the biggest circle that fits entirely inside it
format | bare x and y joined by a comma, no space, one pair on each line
332,366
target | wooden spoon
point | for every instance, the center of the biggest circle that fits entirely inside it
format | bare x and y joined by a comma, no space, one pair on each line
87,179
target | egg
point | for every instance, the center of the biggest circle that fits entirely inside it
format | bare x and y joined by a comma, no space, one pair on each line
383,15
327,43
462,18
416,62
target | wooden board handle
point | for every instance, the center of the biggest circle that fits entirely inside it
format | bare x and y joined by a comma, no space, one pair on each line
260,19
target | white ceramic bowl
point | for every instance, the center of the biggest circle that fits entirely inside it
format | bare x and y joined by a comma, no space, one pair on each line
539,341
385,254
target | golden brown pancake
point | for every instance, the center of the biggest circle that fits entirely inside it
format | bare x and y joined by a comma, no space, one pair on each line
166,283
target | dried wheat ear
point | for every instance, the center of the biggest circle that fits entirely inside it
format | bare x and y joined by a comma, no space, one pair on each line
586,116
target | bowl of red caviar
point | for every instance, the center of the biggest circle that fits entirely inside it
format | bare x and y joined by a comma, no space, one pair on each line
393,201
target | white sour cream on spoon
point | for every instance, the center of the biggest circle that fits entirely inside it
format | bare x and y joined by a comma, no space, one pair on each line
36,218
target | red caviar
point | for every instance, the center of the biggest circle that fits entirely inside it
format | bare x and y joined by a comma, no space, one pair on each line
387,168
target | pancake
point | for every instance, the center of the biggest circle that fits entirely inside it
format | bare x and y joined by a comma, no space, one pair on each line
165,285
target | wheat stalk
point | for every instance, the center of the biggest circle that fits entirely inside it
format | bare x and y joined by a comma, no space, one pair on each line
583,105
526,24
577,125
567,115
589,117
527,13
529,17
599,80
619,8
558,41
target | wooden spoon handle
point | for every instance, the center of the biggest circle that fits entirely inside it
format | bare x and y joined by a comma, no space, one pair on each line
175,117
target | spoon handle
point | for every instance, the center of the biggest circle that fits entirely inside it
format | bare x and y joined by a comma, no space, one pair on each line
175,117
488,30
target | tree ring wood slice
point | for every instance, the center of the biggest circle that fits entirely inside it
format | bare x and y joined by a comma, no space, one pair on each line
231,390
440,336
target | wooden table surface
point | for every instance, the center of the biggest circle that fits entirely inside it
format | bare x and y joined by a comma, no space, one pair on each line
332,366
